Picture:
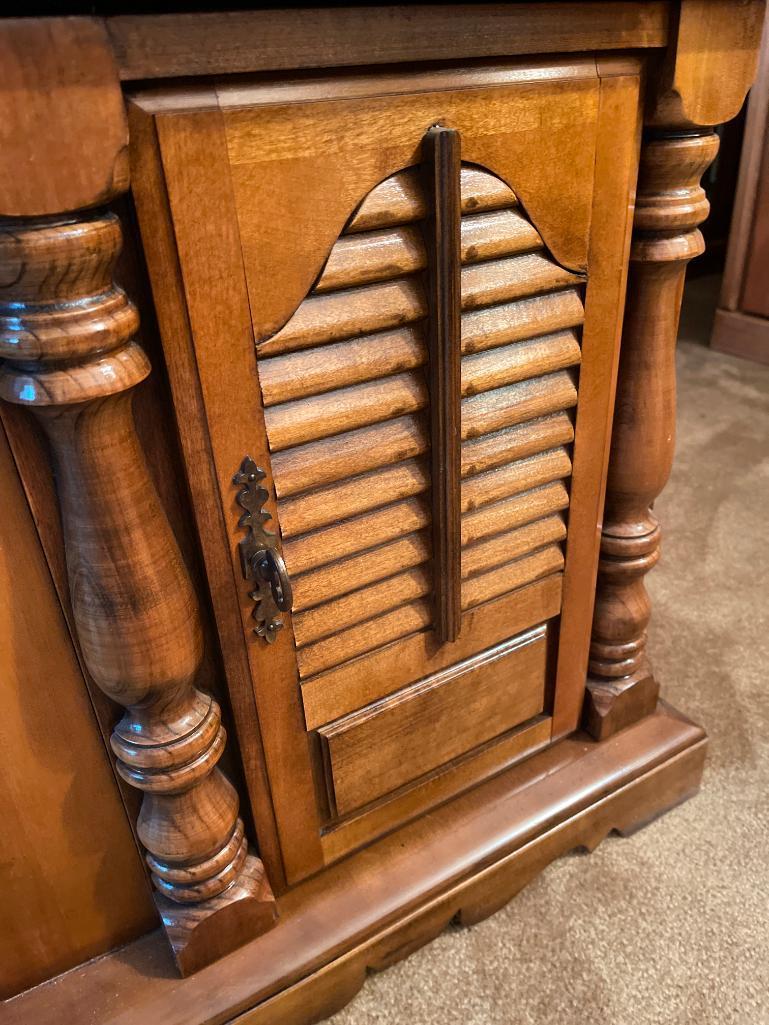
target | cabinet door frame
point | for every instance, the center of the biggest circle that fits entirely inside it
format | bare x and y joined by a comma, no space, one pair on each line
179,143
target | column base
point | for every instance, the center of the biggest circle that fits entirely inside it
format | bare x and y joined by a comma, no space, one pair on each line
611,705
200,934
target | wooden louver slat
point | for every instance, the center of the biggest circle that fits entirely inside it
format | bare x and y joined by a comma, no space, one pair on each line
312,371
337,315
401,199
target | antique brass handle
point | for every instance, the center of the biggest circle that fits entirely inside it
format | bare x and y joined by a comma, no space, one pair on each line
260,560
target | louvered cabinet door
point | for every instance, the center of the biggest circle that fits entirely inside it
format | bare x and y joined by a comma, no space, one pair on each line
402,298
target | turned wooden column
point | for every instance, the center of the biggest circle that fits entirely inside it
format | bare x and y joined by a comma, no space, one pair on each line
670,204
66,336
689,92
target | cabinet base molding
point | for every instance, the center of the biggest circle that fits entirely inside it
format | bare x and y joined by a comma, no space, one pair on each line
462,862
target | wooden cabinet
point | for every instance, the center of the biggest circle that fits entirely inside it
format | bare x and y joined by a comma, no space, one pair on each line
417,357
407,266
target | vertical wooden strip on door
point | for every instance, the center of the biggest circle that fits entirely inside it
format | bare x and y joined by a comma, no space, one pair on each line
441,162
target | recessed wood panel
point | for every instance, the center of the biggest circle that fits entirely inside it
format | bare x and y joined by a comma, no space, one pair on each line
378,749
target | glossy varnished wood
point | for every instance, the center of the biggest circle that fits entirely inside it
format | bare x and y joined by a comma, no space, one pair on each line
669,207
189,311
679,145
67,338
347,436
342,689
283,222
359,915
49,108
616,169
67,853
172,45
441,159
384,746
132,601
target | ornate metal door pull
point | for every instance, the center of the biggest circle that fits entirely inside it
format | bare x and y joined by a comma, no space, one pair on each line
260,560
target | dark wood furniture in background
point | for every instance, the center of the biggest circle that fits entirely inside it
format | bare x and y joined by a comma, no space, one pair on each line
330,580
741,326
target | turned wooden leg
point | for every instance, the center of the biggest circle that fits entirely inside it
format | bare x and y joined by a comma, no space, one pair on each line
621,687
66,334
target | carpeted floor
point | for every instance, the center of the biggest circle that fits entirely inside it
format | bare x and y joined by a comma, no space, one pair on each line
671,926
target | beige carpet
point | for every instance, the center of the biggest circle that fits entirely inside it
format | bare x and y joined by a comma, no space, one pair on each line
671,926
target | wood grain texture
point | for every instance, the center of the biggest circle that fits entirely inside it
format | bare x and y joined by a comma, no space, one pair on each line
264,689
191,44
244,202
376,750
337,410
501,324
344,457
616,169
72,879
369,635
750,176
496,109
512,443
670,205
349,574
400,199
374,256
329,695
710,64
325,318
329,367
441,158
358,914
342,337
356,534
404,805
73,362
170,307
63,136
514,512
322,416
67,336
370,600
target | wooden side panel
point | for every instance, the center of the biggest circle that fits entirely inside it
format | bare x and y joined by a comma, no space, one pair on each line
755,295
72,879
382,747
